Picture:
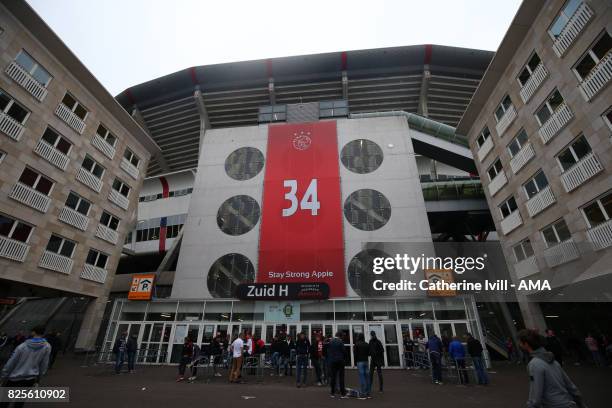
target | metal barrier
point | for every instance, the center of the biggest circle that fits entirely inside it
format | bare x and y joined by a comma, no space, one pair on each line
254,366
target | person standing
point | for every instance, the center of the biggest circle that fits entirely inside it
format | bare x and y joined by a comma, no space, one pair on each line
422,351
291,359
316,357
326,369
593,347
377,356
216,351
236,348
475,351
361,352
457,353
335,353
28,363
120,351
186,357
302,346
553,344
549,385
409,346
131,348
434,345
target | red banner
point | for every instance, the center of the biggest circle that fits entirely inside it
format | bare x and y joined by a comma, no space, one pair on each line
301,228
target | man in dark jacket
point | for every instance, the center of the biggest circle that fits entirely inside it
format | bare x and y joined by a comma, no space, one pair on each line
216,350
186,357
409,348
553,344
120,351
335,355
285,353
361,352
474,349
549,385
316,357
434,346
132,348
302,347
377,354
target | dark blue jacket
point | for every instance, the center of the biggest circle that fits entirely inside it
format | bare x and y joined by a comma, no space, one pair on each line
434,344
456,350
302,347
335,351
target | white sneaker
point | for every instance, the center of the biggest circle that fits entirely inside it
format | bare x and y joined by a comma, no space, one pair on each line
192,378
218,374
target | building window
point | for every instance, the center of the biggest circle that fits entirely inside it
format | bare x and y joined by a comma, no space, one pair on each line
131,158
92,166
228,272
556,233
12,108
549,107
536,184
495,169
78,203
505,104
71,103
29,64
36,181
361,156
523,250
598,211
331,109
105,134
573,153
109,220
121,187
159,196
61,246
508,207
367,209
244,163
520,140
273,113
128,238
172,231
593,56
238,215
14,229
563,17
483,136
54,139
607,117
96,258
528,69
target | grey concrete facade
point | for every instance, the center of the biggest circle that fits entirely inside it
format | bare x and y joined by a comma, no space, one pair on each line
528,34
22,30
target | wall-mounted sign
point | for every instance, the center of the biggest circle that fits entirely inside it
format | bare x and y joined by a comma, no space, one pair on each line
142,286
282,312
279,291
437,275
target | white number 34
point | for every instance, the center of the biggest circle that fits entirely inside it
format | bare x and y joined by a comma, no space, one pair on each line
309,200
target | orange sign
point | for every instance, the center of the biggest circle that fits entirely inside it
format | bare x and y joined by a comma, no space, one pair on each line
440,275
142,286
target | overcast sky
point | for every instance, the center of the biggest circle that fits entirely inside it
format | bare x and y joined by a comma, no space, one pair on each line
127,42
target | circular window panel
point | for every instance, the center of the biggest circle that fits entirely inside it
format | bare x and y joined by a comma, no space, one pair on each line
227,272
244,163
367,209
361,277
238,215
361,156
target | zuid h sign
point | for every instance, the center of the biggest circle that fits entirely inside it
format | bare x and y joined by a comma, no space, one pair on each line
282,291
301,228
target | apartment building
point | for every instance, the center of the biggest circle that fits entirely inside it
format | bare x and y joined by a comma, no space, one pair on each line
72,162
540,128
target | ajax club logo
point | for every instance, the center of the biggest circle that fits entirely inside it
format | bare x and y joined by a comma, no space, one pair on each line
301,141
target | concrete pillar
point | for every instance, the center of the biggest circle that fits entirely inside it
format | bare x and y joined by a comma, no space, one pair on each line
532,315
90,326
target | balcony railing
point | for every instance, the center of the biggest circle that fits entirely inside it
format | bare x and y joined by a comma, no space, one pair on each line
30,197
107,234
522,158
71,119
598,78
533,83
27,81
511,222
486,147
52,155
580,172
13,249
601,235
555,123
11,127
119,199
130,169
561,253
526,267
74,218
505,121
93,273
541,201
56,262
572,29
103,146
89,180
497,183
